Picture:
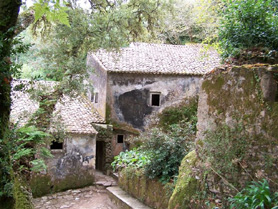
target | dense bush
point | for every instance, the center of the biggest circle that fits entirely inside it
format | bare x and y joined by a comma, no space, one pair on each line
168,149
256,195
182,113
248,24
134,158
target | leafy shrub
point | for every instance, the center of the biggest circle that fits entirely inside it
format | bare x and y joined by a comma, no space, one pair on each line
17,150
168,150
162,149
257,195
134,158
182,113
248,24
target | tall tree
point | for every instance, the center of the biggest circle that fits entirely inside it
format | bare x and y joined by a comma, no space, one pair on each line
9,10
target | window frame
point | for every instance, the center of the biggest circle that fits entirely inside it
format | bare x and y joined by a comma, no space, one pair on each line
117,140
151,99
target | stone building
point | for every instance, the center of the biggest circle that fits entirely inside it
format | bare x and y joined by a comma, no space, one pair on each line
133,84
75,155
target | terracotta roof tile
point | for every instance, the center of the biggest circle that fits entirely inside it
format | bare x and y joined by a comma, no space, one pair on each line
190,59
76,115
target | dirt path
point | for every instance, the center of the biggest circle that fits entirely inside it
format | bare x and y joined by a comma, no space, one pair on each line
93,197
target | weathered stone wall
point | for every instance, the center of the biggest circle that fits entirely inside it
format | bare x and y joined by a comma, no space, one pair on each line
98,78
129,95
150,192
71,167
243,96
237,138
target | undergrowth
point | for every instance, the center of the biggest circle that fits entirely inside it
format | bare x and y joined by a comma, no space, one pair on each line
256,195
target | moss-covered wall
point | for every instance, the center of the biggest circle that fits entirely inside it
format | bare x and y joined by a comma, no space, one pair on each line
150,192
237,138
43,184
239,103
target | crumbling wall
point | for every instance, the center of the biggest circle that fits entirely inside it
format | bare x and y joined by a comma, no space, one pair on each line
128,95
237,138
72,167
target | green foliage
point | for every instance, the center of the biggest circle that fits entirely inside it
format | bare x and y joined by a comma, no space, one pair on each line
108,25
247,24
132,158
53,11
224,148
192,21
168,149
18,148
162,150
257,195
182,113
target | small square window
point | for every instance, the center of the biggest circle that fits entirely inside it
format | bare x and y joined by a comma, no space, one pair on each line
155,99
120,138
56,145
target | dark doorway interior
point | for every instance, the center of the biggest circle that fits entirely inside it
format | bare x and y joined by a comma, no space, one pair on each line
100,155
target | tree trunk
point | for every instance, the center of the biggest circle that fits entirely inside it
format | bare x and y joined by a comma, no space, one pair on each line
9,10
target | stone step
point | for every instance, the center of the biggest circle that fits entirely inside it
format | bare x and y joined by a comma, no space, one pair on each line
124,200
115,176
106,183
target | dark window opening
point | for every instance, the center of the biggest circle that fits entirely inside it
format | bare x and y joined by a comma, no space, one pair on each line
155,99
56,145
120,139
96,97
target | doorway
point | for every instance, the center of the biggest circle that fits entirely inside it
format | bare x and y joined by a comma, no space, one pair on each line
100,157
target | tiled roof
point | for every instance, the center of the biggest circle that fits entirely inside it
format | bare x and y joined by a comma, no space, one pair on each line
75,115
189,59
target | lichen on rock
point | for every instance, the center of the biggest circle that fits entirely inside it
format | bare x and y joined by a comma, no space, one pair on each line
187,184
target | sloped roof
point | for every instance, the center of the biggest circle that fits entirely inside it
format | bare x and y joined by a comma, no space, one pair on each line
75,115
189,59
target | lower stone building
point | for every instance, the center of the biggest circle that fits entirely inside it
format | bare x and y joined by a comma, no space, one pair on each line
77,150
